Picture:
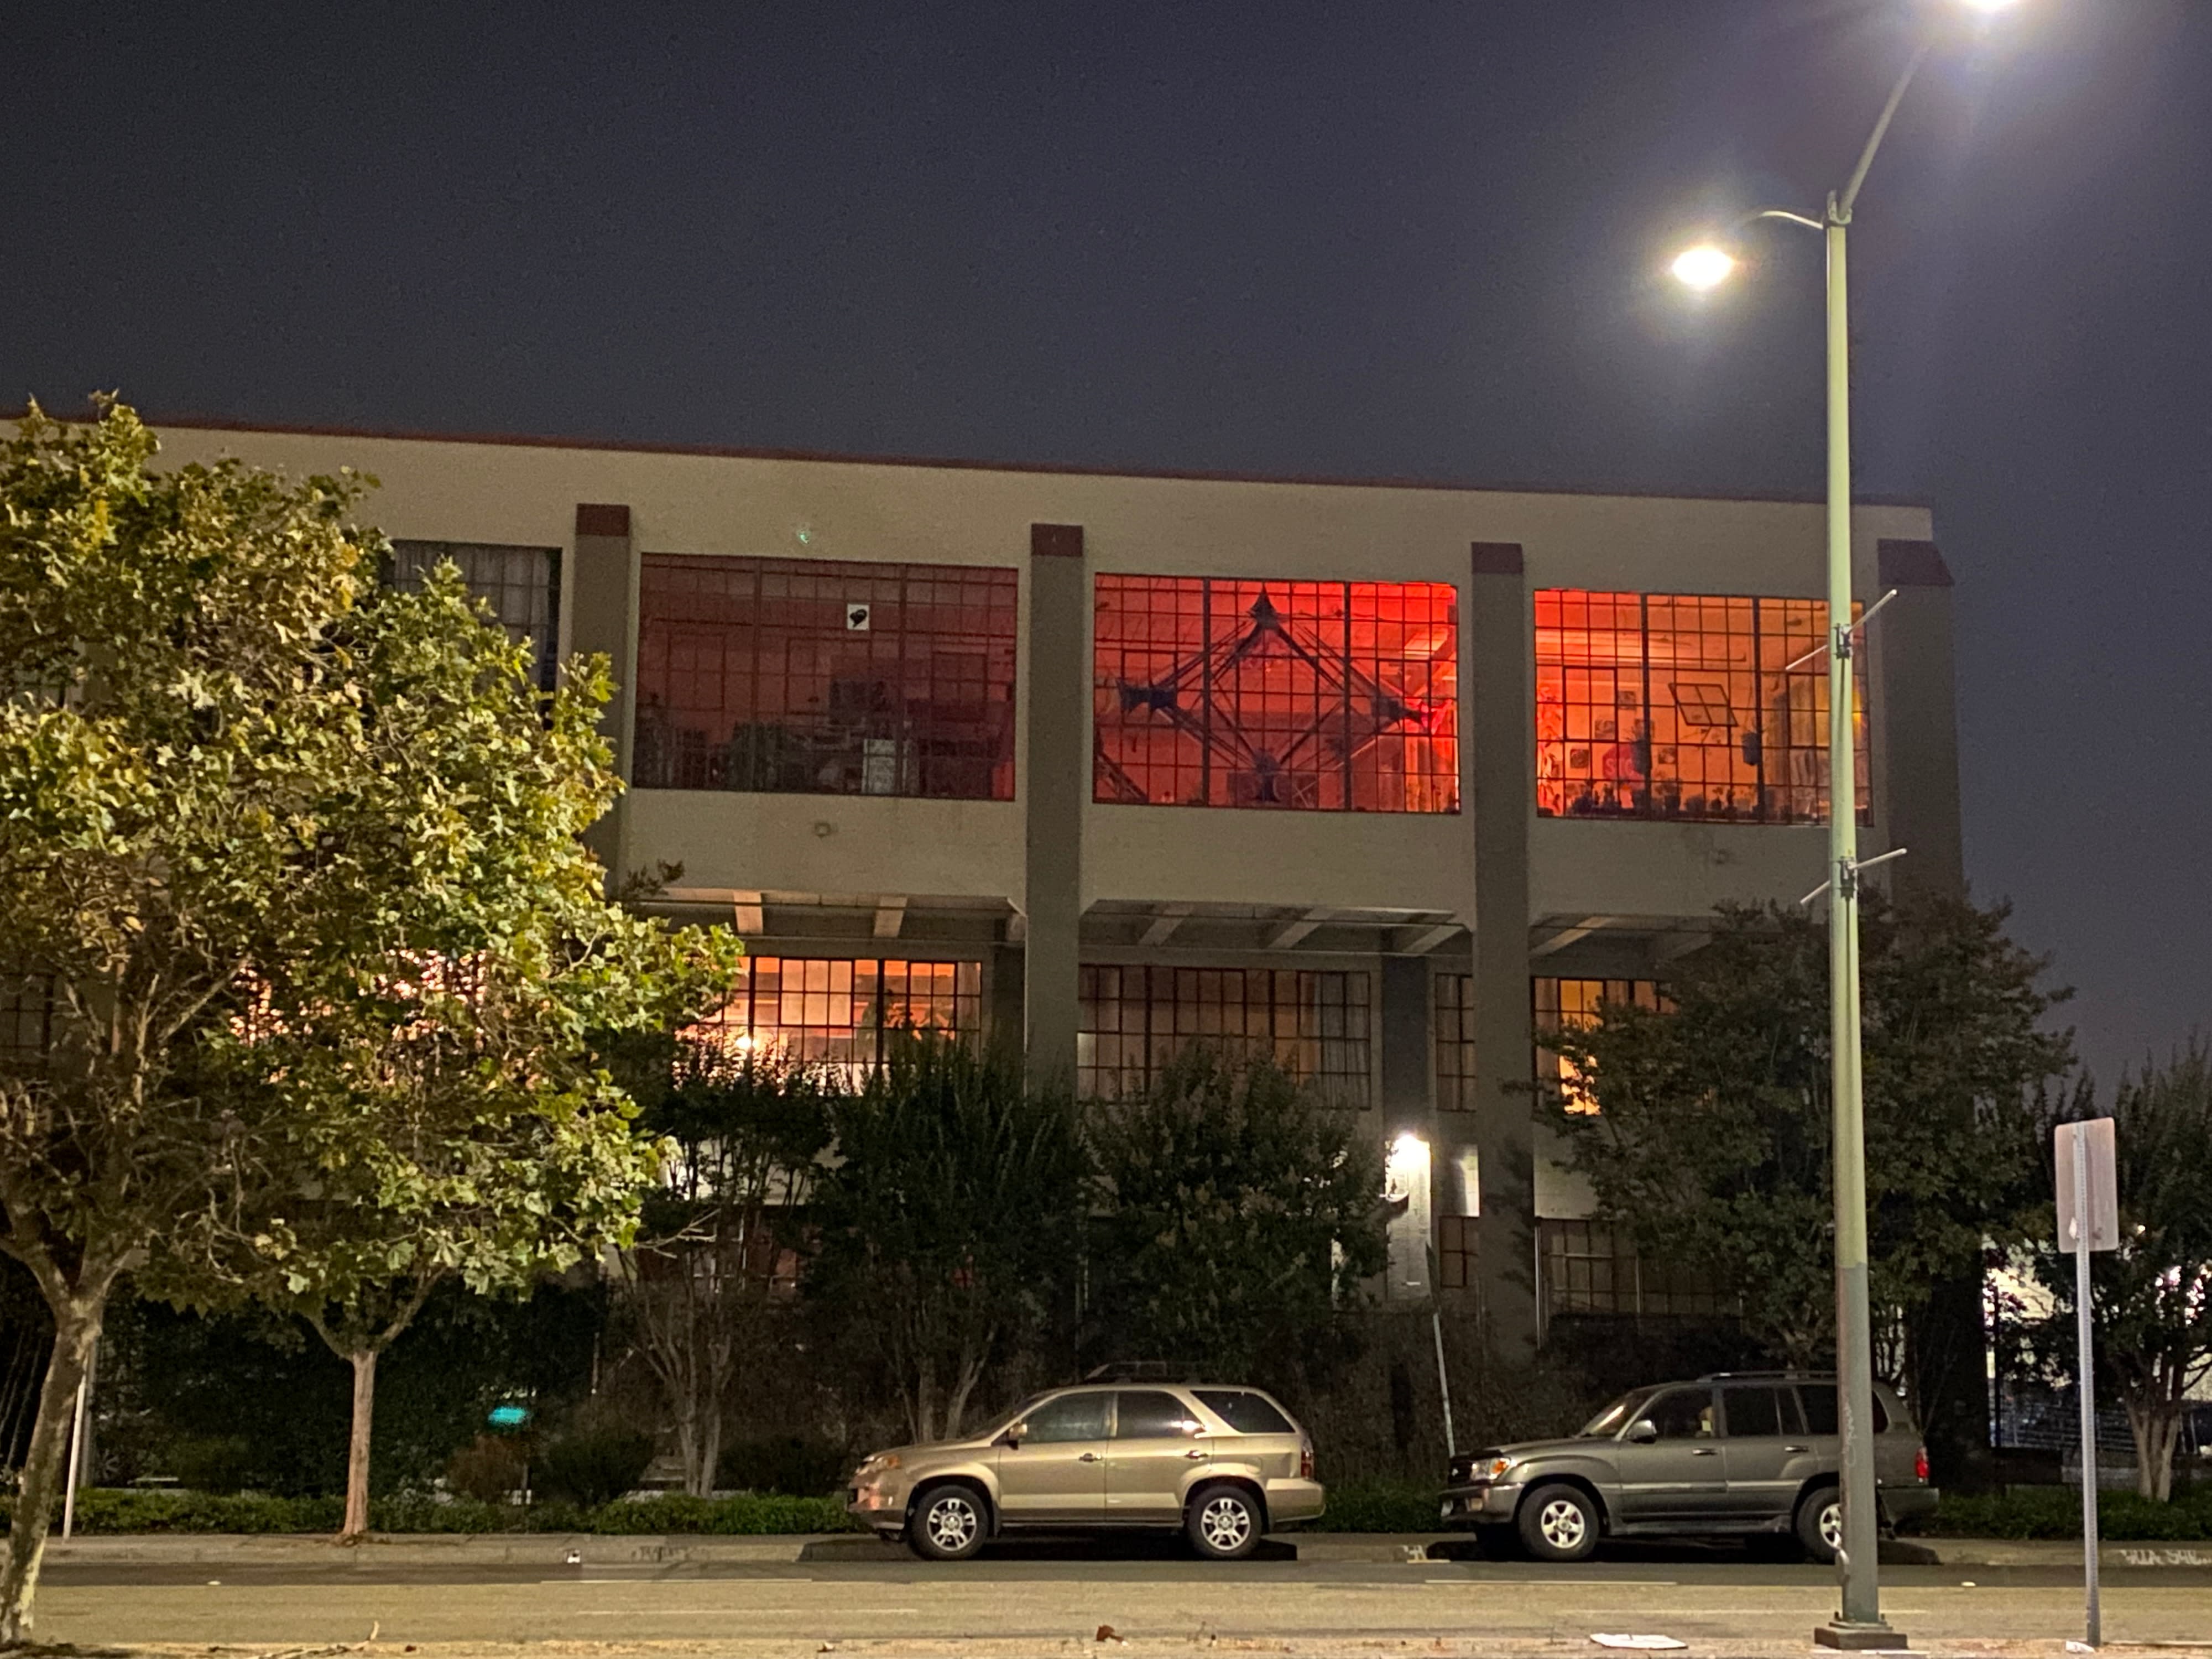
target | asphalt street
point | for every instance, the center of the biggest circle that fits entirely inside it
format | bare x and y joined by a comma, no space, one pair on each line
1048,1598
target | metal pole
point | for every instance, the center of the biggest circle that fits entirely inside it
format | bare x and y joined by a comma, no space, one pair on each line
1859,1622
76,1452
1436,1325
2085,1335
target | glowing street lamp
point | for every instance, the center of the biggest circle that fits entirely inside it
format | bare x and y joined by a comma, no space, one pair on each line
1859,1624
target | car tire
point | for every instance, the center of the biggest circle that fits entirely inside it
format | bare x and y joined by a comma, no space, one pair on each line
1559,1523
1224,1522
947,1523
1820,1524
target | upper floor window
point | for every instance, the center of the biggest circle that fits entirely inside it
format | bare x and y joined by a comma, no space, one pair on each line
836,1012
522,585
1330,697
815,677
1685,706
1132,1022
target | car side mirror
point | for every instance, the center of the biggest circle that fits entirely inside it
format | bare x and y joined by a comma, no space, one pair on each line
1643,1433
1015,1436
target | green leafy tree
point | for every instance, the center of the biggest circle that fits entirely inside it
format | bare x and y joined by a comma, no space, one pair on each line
948,1221
205,852
2151,1299
434,1068
743,1137
1711,1143
1236,1214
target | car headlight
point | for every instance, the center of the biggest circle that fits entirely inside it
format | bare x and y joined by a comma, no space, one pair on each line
881,1463
1491,1468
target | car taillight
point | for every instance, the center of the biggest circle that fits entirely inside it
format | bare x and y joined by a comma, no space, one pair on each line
1306,1461
1920,1466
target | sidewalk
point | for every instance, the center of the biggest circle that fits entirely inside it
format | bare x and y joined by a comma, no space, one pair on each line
594,1549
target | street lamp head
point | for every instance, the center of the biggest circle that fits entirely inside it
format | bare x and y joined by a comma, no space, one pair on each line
1704,266
1989,6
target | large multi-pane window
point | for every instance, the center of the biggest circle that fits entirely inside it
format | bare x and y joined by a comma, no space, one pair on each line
1563,1004
522,585
1454,1029
1685,706
818,676
1587,1268
1332,696
1133,1021
26,1019
838,1011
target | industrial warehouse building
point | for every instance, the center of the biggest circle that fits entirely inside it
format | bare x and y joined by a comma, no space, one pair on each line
1371,777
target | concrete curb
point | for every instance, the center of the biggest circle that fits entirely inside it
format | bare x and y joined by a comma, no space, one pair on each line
595,1549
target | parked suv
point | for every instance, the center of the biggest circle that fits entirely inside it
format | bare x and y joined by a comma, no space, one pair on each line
1744,1452
1225,1464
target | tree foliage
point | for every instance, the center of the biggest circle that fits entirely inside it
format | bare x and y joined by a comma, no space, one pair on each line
742,1137
1236,1214
2151,1299
948,1222
1711,1143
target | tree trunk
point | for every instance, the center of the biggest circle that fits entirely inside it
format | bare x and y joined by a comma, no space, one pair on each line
2156,1425
43,1474
364,1416
700,1481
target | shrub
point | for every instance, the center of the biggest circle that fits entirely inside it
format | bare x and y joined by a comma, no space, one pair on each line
590,1467
1381,1506
106,1510
785,1464
2056,1512
487,1468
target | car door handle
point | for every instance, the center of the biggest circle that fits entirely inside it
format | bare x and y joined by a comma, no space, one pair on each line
1797,1448
1089,1457
1704,1451
1194,1452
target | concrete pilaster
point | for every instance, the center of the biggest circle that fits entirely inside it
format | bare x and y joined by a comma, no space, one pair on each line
1917,745
1056,785
604,590
1497,718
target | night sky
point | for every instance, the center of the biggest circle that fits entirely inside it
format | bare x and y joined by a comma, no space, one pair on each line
1365,239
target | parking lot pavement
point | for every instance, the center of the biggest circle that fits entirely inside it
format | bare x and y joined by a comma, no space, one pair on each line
1019,1604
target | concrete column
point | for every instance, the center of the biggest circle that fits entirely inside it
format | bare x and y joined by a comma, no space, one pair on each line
1497,718
1408,1121
604,593
1916,747
1055,787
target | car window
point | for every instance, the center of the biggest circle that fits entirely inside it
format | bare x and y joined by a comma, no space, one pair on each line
1819,1402
1151,1415
1682,1414
1071,1417
1247,1413
1610,1422
1749,1412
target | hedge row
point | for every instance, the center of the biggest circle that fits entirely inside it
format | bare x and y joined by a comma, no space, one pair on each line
746,1514
2056,1512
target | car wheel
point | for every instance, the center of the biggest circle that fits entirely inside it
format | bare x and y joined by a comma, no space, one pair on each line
1223,1522
1559,1523
946,1524
1820,1523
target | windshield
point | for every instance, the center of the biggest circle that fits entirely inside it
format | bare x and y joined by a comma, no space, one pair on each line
1615,1417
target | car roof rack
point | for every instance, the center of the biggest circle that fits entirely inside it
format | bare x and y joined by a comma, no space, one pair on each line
1768,1376
1142,1370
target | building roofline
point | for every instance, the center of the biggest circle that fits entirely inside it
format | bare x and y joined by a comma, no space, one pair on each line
960,463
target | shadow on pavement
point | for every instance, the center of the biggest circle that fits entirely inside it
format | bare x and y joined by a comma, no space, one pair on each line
1046,1546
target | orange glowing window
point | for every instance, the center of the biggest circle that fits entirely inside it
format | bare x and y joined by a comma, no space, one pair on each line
1561,1004
834,1012
1326,697
825,677
1685,706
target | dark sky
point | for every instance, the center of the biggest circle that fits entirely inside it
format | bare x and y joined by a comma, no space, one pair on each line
1362,238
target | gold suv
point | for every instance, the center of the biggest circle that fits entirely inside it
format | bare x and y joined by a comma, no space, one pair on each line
1223,1464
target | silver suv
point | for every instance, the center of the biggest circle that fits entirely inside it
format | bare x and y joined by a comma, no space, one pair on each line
1744,1452
1225,1464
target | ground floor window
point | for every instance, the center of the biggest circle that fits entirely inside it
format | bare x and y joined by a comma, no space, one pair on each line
27,1016
1587,1268
1561,1004
1456,1252
1454,1027
1314,1023
835,1011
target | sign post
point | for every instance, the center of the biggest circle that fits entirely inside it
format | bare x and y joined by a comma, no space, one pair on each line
2089,1219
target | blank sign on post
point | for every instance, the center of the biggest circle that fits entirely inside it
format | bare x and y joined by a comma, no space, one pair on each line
2104,1184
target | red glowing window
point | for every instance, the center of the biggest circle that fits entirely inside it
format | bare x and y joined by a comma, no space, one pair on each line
1685,706
817,676
1328,696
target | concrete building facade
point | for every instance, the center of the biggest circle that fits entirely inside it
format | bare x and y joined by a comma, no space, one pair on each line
1370,777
